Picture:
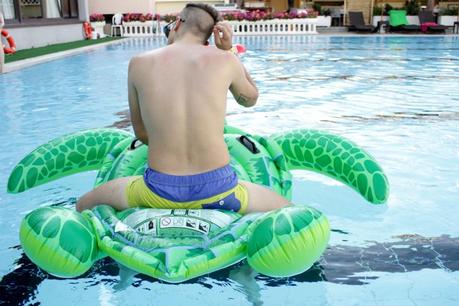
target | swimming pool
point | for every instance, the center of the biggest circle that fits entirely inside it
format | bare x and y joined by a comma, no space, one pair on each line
397,97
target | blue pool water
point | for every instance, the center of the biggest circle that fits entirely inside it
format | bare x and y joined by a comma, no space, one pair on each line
398,97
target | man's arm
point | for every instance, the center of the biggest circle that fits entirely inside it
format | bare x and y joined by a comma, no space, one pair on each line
134,107
243,87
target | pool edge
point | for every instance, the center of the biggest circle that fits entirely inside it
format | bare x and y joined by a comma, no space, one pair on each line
18,65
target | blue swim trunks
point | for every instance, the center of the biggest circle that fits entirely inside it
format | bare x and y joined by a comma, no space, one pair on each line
216,189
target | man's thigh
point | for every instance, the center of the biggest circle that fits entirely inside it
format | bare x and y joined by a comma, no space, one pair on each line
262,199
112,193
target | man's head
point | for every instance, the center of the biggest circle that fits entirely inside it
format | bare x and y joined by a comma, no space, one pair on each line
197,19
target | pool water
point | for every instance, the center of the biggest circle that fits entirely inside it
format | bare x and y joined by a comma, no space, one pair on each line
396,96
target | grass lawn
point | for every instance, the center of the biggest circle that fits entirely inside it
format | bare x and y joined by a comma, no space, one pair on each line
33,52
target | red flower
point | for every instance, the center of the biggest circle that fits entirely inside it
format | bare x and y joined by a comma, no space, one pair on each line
96,17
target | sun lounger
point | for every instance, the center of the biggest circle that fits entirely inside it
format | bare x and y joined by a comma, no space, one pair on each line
358,24
399,23
428,24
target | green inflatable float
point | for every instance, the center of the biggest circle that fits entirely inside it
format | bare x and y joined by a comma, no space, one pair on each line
180,244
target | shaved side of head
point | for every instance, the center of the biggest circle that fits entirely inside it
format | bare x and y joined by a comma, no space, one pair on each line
200,19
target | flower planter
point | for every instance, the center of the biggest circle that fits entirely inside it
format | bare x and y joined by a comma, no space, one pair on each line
98,26
447,20
413,20
324,21
377,19
138,23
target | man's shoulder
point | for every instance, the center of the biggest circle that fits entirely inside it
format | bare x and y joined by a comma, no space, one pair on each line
219,55
141,59
148,54
219,52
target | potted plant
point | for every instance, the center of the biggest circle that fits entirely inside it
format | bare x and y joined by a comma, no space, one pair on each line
148,18
381,13
244,21
97,22
257,15
448,16
412,10
137,19
169,17
323,16
130,19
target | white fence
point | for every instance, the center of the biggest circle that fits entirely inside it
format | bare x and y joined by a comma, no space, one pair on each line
139,29
275,26
262,27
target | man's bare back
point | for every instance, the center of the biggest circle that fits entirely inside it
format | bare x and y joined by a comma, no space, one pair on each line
177,99
181,92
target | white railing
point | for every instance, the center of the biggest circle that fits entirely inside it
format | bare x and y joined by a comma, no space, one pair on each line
160,28
275,26
262,27
138,28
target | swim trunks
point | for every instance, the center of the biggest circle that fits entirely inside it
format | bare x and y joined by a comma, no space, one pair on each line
216,189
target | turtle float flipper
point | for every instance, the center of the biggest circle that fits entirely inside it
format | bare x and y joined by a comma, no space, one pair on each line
59,240
335,157
74,153
287,241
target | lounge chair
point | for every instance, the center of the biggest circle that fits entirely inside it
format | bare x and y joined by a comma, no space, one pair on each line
428,24
358,24
399,23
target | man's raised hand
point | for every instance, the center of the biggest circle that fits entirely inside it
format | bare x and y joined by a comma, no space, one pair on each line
223,35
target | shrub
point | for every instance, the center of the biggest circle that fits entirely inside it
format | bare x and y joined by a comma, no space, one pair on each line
317,7
130,17
169,17
387,9
449,11
412,7
257,15
377,11
96,17
150,17
140,17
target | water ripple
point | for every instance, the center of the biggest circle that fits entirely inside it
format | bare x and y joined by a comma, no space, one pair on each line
395,96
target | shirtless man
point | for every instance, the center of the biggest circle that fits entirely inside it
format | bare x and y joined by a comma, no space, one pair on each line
177,100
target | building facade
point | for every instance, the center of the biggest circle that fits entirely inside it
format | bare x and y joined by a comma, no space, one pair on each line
141,6
36,23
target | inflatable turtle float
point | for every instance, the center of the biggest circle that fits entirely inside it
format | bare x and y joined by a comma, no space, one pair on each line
180,244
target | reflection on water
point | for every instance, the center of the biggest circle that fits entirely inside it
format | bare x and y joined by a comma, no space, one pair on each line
439,115
397,97
340,264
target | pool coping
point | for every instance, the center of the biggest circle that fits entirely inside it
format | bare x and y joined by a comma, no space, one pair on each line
386,34
21,64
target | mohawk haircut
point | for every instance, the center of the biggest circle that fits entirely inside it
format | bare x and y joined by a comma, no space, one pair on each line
200,19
